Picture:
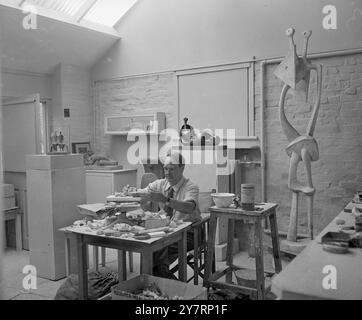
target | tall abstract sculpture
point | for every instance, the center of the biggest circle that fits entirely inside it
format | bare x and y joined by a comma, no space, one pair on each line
295,71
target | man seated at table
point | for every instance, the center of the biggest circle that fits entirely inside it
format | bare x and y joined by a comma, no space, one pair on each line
178,197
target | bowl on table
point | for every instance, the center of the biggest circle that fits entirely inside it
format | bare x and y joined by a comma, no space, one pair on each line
223,200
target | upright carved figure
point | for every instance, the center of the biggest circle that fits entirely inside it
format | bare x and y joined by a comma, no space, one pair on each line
295,71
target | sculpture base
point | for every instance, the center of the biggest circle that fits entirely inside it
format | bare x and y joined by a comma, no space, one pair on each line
294,247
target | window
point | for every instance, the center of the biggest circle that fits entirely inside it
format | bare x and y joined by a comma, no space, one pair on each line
103,12
108,12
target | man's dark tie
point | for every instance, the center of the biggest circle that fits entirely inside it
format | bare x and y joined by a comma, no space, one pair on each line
167,209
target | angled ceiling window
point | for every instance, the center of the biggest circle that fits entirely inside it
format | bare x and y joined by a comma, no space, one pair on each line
108,12
103,12
68,7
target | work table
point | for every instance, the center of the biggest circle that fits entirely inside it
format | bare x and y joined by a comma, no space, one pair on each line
96,170
303,277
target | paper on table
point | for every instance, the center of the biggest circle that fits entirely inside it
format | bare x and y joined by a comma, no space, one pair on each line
91,208
94,207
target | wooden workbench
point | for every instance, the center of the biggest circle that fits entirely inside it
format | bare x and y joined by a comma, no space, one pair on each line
303,277
145,247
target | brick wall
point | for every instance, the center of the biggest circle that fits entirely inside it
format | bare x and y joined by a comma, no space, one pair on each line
131,96
336,176
338,173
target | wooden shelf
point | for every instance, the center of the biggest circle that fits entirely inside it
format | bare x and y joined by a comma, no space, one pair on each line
135,124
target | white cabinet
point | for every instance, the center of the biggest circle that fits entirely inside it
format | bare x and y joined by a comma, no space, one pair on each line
102,183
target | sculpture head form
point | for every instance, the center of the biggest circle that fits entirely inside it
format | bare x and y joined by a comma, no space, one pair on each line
295,70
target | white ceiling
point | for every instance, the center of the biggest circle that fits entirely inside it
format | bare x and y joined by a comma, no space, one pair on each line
53,42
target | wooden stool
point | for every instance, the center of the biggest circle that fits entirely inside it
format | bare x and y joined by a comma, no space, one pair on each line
195,257
231,214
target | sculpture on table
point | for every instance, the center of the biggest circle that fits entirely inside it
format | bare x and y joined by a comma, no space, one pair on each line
295,71
100,160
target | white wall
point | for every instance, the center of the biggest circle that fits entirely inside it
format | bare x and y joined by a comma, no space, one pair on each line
163,35
17,84
71,88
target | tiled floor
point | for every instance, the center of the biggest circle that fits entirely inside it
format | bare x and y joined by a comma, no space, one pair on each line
12,284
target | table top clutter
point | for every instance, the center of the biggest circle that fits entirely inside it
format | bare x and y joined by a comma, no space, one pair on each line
123,218
305,276
129,236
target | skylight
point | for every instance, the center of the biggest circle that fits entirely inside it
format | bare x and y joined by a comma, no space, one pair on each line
103,12
108,12
68,7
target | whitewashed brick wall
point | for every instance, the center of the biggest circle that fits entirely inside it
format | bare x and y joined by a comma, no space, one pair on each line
338,173
133,96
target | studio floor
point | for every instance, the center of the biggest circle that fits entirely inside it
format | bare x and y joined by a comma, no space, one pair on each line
14,261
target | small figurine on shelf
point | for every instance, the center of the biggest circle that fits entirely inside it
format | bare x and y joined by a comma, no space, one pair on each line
54,142
186,133
57,145
61,141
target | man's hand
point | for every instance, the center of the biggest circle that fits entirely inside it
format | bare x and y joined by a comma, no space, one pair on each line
158,197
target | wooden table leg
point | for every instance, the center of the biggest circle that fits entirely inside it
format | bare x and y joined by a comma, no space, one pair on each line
147,262
130,261
18,232
67,255
275,242
196,256
182,260
87,254
122,265
310,215
95,258
82,268
210,249
213,266
259,260
229,250
4,235
103,254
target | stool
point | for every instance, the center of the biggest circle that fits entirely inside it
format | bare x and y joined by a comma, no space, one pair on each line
14,214
195,256
261,212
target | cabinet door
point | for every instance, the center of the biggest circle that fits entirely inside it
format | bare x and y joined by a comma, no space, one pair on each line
98,187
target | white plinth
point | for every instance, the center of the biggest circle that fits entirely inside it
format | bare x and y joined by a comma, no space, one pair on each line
55,186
